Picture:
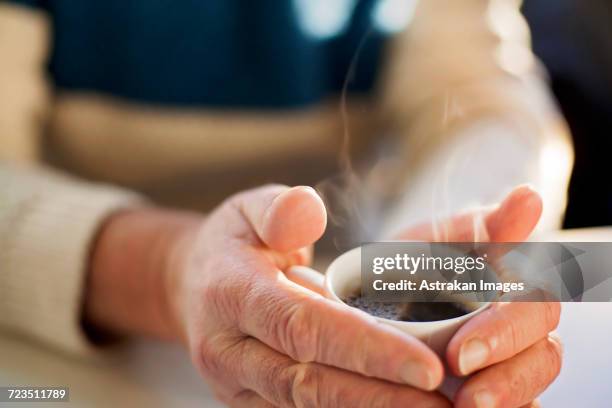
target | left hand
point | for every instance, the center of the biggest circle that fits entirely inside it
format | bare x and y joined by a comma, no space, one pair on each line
509,348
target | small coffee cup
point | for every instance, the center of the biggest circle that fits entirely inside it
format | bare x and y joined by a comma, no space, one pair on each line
343,278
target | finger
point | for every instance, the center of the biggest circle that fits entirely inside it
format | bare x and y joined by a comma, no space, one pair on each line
514,382
286,260
500,332
512,221
307,277
312,328
465,227
533,404
516,217
249,399
285,219
286,383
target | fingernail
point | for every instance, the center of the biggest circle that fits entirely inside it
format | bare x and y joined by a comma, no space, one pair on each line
417,375
485,399
473,355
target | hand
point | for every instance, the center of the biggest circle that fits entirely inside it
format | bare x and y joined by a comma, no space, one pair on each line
258,338
508,348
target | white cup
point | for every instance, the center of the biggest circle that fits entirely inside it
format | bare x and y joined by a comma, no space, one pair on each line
343,278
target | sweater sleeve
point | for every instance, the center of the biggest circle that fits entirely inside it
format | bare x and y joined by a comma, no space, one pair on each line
47,225
476,117
47,221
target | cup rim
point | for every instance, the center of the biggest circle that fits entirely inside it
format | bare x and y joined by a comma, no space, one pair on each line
329,289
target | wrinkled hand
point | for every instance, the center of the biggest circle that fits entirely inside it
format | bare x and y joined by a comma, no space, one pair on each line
261,340
509,347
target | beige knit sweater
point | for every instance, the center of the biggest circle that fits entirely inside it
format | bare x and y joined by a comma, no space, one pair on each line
461,87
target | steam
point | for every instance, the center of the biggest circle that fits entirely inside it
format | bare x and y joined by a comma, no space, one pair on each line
357,206
442,210
343,193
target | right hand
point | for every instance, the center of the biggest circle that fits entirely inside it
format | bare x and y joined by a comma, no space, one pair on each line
261,340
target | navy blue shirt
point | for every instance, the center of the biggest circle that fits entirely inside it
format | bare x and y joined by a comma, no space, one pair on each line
208,53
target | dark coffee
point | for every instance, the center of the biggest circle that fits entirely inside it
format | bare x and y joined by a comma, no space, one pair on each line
409,311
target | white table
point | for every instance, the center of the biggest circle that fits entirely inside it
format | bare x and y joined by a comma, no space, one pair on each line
585,329
151,374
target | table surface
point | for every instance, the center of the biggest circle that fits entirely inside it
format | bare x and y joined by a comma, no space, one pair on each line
153,374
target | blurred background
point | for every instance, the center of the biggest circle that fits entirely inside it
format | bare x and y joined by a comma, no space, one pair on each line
162,120
574,40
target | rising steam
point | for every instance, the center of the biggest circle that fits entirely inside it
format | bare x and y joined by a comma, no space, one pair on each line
354,205
343,193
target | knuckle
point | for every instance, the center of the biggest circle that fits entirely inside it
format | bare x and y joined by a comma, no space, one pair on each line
279,387
304,390
545,372
296,329
554,350
207,359
519,335
302,332
219,356
525,384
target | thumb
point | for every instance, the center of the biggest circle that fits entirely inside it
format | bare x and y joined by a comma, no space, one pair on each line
285,218
511,221
516,217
